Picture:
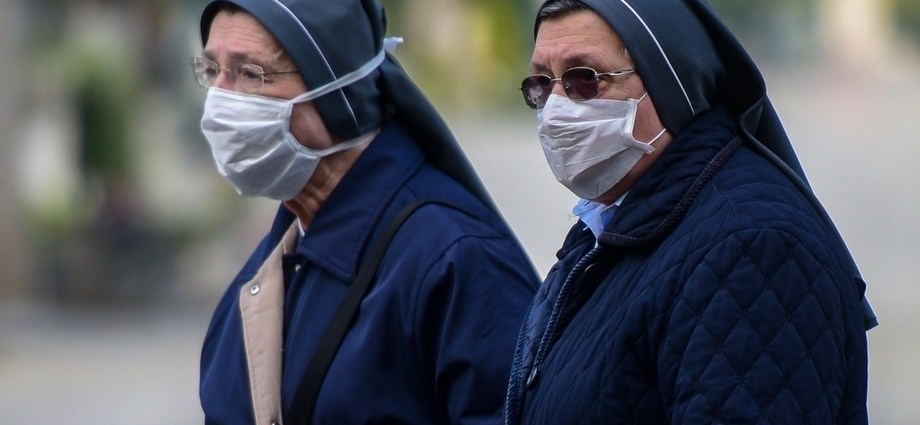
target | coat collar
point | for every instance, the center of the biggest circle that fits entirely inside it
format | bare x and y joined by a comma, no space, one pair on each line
341,228
660,198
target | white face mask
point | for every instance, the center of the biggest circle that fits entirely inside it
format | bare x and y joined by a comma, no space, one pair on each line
589,144
252,143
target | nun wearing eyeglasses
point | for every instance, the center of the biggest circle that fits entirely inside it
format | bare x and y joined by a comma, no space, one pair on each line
388,288
704,283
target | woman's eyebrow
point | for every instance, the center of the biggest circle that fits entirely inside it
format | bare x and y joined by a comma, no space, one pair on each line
567,62
236,57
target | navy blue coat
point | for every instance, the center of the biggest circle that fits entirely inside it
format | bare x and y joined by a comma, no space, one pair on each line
435,333
717,294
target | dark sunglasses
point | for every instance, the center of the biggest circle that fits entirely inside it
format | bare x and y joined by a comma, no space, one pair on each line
580,83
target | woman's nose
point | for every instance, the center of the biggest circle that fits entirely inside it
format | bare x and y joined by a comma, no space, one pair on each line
224,80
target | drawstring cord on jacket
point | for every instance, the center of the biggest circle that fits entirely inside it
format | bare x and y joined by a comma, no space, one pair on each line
516,388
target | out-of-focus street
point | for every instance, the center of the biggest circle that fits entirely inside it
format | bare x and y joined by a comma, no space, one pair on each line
99,366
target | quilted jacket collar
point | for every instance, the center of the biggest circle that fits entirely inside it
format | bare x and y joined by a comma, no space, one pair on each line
659,199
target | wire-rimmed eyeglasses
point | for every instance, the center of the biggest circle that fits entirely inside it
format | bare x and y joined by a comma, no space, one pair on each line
246,77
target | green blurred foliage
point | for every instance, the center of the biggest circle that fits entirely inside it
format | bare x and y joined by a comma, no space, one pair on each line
103,111
483,62
907,17
507,42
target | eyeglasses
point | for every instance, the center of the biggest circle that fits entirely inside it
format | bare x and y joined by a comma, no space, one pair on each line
246,77
580,83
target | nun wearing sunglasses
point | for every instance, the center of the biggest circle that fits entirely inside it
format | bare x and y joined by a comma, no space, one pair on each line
704,282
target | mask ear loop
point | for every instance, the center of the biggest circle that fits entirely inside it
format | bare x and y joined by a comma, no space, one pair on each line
390,44
334,85
348,144
660,133
345,80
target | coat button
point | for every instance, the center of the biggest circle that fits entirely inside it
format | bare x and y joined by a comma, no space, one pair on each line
255,289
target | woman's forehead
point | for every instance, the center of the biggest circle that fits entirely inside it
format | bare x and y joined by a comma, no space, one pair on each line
241,37
580,38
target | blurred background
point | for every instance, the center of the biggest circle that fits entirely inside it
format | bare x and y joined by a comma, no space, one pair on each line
117,236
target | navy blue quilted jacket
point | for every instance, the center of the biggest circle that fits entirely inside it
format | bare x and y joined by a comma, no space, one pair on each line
717,294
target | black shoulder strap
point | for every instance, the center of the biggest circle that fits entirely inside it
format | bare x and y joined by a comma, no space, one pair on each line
305,398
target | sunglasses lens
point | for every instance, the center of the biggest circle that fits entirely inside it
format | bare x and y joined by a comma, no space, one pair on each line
536,89
580,83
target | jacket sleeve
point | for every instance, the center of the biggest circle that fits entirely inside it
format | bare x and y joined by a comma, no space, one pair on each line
468,314
756,335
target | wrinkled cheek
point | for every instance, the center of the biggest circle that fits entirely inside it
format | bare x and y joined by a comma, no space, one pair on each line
307,127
